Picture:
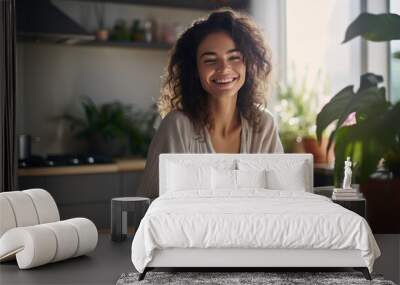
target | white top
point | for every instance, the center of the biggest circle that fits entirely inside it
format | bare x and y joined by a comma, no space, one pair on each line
177,134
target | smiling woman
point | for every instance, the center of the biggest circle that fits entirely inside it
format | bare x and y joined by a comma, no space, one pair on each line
213,97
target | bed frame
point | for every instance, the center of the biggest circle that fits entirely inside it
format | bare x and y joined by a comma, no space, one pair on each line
248,259
260,259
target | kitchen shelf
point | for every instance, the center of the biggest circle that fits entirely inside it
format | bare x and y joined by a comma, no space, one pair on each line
95,43
128,44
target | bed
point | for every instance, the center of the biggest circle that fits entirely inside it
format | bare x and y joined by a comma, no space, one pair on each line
247,211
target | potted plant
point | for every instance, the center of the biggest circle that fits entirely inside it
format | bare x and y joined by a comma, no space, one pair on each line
113,129
373,138
101,33
296,112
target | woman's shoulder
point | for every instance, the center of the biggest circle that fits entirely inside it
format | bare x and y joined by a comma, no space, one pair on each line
177,119
267,120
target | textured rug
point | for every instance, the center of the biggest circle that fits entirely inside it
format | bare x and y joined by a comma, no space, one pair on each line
273,278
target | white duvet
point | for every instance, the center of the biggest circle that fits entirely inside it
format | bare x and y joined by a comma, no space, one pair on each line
252,218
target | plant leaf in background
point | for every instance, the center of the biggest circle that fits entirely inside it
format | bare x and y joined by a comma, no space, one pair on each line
297,107
333,109
113,128
374,27
346,102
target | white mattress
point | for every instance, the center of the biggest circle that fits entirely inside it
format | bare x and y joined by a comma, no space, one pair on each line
252,218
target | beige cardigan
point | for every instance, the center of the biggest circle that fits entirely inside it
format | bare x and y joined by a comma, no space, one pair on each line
176,134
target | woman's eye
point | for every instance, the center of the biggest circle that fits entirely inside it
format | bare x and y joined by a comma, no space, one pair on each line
235,58
210,61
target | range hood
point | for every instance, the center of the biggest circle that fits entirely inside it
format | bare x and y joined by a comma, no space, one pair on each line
40,20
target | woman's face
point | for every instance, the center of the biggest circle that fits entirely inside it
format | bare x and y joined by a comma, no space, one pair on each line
220,65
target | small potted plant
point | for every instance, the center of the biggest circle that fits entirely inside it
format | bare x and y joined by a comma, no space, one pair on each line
101,33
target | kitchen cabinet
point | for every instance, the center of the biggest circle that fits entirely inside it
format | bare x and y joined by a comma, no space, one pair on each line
86,195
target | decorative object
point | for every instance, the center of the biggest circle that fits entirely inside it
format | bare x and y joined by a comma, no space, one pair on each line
119,208
249,278
148,28
347,192
347,175
31,230
114,128
101,33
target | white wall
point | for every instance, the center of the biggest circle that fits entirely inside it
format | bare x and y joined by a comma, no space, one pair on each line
270,17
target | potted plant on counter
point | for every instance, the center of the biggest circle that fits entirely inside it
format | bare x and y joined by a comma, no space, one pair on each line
373,138
296,110
112,129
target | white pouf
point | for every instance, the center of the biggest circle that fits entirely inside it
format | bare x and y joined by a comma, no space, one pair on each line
31,232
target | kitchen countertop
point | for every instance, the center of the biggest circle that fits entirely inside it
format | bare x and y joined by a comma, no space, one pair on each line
120,165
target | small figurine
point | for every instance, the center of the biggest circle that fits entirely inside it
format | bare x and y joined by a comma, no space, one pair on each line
347,174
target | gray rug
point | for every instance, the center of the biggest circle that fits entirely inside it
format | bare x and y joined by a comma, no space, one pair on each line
228,278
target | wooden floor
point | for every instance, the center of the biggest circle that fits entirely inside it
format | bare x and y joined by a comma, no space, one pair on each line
110,259
102,266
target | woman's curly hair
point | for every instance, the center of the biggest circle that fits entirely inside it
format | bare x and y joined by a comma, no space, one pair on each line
182,89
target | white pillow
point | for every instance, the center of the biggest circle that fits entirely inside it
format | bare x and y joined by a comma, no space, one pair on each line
251,178
286,174
293,180
188,177
224,179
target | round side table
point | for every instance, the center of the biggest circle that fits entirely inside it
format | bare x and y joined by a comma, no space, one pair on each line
119,214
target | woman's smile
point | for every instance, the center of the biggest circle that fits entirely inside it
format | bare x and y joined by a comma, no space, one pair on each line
225,82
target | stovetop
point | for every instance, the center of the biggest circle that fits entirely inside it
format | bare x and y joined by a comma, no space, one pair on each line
64,160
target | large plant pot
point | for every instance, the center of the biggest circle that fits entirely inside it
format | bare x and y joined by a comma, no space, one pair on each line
383,205
310,145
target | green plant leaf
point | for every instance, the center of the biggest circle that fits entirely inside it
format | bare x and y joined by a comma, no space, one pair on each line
333,109
396,54
346,102
74,122
374,27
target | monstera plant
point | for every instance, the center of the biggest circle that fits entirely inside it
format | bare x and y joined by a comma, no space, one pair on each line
373,135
